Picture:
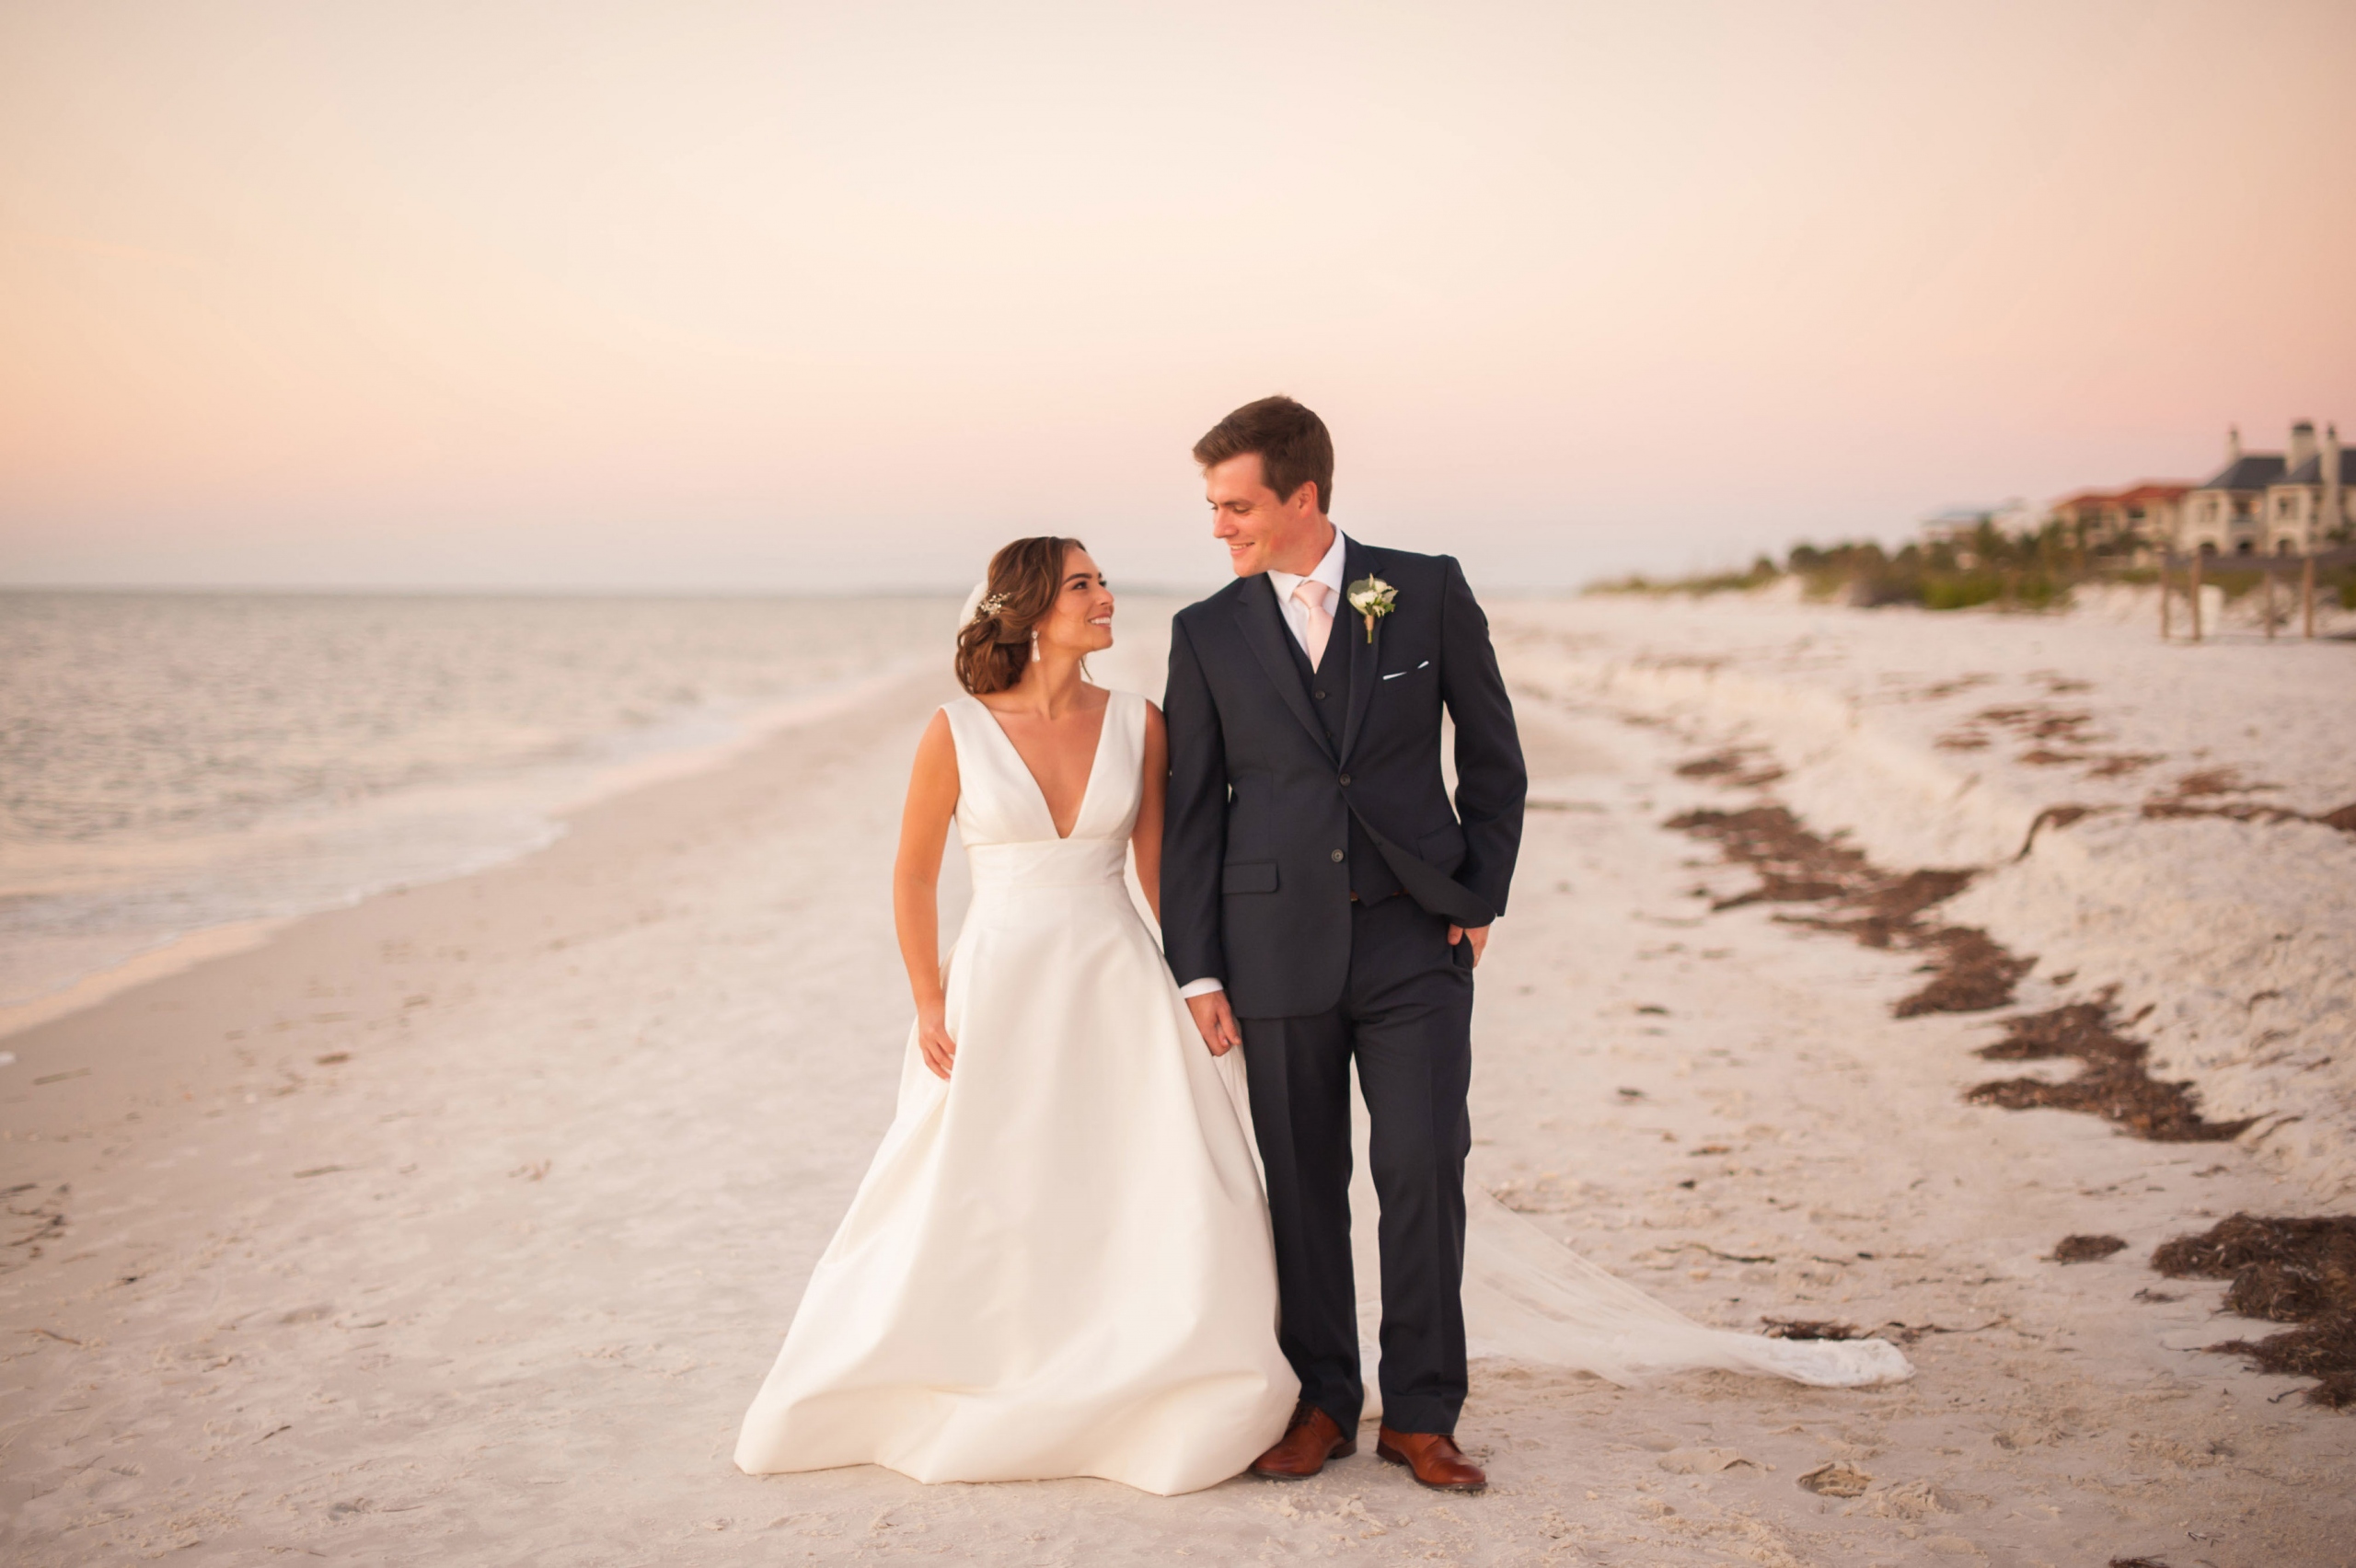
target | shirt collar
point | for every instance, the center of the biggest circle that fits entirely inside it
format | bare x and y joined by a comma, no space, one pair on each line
1328,571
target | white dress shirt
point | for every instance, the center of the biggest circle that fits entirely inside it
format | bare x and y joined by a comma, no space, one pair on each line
1329,573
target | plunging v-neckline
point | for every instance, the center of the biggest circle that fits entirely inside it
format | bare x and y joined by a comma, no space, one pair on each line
1086,790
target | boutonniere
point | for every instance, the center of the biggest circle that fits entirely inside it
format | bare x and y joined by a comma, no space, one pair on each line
1371,597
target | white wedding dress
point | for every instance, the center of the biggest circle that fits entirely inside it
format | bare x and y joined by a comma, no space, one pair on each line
1059,1263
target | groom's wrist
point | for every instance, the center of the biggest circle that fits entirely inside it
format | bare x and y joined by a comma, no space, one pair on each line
1193,989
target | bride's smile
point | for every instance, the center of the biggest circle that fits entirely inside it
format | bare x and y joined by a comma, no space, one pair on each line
1081,619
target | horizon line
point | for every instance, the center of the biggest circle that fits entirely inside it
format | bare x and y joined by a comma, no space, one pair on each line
479,590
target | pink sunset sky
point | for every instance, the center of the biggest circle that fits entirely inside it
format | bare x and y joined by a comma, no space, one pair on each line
773,297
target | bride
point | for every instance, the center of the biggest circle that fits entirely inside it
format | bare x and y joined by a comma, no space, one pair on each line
1059,1263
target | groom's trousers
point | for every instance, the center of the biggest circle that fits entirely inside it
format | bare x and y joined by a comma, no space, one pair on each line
1405,1014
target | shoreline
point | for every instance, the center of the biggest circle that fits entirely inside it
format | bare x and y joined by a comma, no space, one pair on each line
193,976
606,781
175,956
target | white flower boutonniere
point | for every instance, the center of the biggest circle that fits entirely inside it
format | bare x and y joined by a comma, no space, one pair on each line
1371,597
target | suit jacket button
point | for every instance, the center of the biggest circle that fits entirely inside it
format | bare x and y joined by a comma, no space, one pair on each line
1345,780
1321,697
1337,854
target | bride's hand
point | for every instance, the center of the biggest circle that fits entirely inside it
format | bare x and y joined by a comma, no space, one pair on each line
932,1039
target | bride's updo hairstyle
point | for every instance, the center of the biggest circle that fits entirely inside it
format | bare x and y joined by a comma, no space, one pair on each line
1024,579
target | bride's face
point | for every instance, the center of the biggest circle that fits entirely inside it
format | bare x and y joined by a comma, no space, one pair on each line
1081,619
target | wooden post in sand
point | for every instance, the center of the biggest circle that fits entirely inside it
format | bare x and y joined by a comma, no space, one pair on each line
2307,598
2269,601
2168,562
2192,592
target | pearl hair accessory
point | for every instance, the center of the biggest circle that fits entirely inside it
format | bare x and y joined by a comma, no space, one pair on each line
989,606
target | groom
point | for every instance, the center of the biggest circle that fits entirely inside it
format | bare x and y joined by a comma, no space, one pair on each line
1322,902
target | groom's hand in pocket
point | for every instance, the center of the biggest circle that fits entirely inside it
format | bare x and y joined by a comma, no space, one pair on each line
932,1039
1480,937
1215,1021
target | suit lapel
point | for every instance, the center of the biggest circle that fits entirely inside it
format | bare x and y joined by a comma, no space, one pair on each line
1265,630
1365,656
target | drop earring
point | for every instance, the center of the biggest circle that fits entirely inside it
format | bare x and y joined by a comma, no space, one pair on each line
1035,644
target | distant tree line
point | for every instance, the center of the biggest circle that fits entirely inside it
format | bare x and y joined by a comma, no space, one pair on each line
2032,569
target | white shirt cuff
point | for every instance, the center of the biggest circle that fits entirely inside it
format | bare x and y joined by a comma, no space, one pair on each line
1201,987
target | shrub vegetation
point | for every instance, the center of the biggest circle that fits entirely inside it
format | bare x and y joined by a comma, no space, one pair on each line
2032,571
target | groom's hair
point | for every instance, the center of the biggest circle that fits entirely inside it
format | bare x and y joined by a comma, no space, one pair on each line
1294,447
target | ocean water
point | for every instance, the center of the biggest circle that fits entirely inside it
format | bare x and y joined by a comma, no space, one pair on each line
172,763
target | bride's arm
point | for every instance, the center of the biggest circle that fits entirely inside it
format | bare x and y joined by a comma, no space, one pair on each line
916,885
1146,838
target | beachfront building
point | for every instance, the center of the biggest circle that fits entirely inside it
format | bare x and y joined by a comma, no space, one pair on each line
1967,530
1961,533
2226,515
2085,516
2309,508
2135,519
2016,516
1956,527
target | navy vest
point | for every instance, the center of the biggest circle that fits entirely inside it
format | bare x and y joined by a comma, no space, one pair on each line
1329,692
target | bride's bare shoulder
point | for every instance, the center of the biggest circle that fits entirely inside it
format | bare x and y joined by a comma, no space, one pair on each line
932,777
939,742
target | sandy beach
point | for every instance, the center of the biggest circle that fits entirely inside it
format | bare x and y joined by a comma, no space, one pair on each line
458,1227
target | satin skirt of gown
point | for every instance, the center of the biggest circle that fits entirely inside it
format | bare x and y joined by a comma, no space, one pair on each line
1061,1261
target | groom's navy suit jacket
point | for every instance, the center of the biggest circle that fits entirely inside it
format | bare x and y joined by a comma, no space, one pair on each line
1291,788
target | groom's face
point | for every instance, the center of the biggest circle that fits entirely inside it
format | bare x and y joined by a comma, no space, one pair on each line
1259,527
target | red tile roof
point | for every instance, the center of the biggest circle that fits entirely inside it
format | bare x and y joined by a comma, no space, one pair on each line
2134,495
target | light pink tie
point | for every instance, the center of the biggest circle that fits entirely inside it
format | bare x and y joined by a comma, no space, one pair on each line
1318,625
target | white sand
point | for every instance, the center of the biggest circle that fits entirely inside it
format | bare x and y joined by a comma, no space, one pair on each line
495,1287
2240,937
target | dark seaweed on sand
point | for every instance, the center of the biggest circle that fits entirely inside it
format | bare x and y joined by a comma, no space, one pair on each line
1969,973
1810,1329
2087,1249
2298,1271
1740,766
2112,1082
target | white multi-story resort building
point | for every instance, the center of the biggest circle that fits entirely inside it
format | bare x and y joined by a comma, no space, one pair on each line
2271,503
2309,507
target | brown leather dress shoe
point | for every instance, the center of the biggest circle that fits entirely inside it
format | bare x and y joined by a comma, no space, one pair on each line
1311,1439
1432,1458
